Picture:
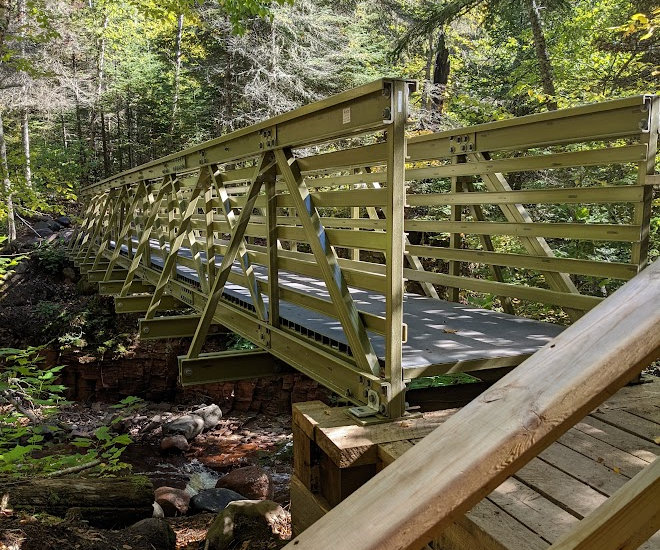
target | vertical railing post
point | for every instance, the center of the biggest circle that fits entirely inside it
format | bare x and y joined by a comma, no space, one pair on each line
210,234
396,199
642,212
273,258
455,238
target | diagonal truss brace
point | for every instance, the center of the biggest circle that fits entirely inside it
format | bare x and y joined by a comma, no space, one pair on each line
242,254
107,234
126,230
263,164
170,261
348,314
534,245
89,238
145,238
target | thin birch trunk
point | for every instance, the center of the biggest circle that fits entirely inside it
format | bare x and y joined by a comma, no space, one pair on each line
6,184
25,121
25,138
177,73
81,144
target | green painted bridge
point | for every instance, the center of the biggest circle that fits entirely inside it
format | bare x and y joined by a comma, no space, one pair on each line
326,237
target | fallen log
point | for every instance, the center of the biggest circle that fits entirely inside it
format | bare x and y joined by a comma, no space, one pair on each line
103,502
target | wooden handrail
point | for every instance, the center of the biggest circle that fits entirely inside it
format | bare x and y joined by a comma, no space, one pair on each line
463,460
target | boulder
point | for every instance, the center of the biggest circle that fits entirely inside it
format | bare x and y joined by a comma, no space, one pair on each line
69,274
87,287
174,443
64,221
213,500
211,415
252,481
155,531
264,519
43,224
65,234
189,426
174,502
44,232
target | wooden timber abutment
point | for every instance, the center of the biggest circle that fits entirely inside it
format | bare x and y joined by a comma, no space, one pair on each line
555,455
307,233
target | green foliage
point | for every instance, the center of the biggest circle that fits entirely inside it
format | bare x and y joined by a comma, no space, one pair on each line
239,343
51,257
9,263
32,440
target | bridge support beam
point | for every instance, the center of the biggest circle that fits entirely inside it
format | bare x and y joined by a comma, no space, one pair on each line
111,288
227,366
140,304
176,326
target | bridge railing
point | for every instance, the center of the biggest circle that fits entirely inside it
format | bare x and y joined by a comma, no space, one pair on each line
301,207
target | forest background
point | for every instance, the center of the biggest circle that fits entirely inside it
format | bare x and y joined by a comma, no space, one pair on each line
89,89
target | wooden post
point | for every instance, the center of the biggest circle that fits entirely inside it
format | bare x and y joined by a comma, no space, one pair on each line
452,469
396,200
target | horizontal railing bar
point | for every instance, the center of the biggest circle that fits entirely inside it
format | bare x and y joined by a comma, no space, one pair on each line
367,240
376,197
565,299
355,277
592,268
578,231
600,121
606,156
618,118
574,195
314,123
357,157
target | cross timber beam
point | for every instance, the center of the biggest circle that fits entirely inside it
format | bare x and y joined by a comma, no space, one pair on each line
216,227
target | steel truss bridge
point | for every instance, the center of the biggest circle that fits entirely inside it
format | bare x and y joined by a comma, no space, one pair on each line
303,234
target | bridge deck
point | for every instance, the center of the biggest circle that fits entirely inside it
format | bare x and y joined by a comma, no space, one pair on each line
529,511
442,336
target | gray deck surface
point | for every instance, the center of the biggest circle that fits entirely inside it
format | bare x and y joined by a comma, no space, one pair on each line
439,332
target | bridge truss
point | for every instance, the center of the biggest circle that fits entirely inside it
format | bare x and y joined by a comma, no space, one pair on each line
302,232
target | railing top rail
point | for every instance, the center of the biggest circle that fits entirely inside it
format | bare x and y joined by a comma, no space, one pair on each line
641,101
348,123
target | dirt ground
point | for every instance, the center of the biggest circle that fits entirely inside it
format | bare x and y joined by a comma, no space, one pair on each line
240,439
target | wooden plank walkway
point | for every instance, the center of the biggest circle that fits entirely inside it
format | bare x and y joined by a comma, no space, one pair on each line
529,511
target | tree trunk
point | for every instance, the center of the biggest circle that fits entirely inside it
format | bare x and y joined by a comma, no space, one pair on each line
6,184
104,144
426,101
129,126
25,137
65,141
81,143
441,72
25,126
119,137
100,73
541,49
177,73
104,502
